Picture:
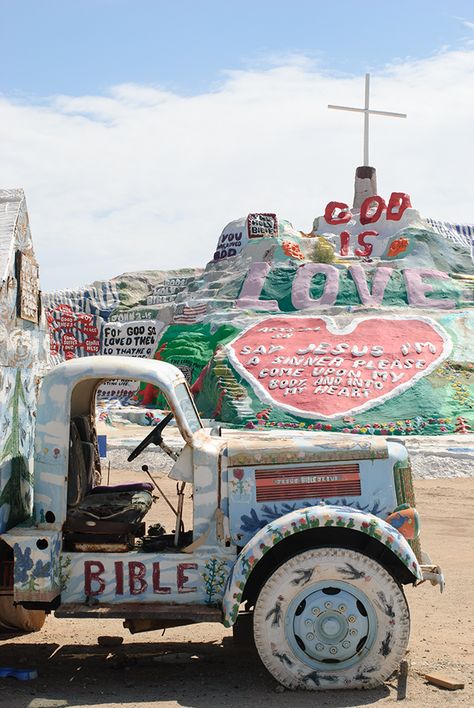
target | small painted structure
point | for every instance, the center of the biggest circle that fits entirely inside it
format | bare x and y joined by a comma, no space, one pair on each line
23,355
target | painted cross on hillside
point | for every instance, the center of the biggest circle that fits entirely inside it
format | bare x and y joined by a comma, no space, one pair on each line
367,111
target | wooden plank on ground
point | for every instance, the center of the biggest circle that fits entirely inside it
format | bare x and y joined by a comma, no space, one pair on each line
443,681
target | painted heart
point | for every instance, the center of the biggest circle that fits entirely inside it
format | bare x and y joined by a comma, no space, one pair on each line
308,366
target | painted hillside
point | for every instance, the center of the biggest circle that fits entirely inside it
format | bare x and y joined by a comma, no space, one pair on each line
363,323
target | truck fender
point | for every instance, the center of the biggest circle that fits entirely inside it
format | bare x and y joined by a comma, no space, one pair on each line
302,520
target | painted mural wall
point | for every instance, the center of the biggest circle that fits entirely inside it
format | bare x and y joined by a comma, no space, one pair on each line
23,354
362,324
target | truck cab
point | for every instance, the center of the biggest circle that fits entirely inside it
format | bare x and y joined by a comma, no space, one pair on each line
310,536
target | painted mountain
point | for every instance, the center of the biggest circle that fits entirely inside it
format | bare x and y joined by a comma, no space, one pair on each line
362,324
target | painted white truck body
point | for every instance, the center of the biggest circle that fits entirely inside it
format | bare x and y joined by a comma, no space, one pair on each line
258,499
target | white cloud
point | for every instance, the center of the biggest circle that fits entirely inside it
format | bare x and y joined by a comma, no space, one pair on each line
466,23
142,178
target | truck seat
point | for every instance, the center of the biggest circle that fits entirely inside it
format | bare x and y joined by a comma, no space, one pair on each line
104,509
108,513
125,487
83,431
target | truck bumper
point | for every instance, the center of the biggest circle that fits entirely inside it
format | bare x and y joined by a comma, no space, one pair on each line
434,574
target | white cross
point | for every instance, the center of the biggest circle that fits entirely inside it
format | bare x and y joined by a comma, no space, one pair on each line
367,111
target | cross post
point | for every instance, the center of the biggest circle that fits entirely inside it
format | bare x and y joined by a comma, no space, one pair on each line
367,111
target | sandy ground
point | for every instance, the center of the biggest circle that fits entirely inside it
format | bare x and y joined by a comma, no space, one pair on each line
199,666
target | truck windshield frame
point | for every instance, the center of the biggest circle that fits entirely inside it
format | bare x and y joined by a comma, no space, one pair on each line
186,403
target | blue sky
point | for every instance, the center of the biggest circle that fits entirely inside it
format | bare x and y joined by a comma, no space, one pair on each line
85,46
139,129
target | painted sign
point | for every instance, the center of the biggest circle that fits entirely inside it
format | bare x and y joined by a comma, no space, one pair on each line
123,390
137,578
73,333
231,240
259,225
371,209
419,286
134,315
168,291
130,339
27,274
237,233
150,577
309,366
351,237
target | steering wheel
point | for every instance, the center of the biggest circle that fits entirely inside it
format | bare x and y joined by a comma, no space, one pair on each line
153,436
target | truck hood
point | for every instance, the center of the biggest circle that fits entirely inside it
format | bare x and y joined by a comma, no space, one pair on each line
287,447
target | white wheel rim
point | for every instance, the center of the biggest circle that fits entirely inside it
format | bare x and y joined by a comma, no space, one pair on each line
331,625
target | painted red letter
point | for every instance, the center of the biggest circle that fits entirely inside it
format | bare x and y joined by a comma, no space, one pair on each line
365,217
136,575
397,205
157,588
342,218
182,579
118,577
345,238
365,253
92,574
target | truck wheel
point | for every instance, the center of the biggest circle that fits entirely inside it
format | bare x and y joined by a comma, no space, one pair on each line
331,618
14,618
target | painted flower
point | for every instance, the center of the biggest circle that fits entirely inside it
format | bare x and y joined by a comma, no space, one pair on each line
292,250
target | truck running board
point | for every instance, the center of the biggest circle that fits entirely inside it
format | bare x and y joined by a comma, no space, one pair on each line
189,614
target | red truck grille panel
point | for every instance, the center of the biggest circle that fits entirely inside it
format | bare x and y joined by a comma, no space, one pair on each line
307,482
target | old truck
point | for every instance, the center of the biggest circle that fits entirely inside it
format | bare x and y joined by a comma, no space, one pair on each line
307,538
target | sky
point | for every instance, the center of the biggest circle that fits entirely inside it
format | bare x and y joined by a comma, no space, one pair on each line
139,128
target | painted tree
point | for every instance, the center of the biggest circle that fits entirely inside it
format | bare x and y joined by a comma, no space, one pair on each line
214,576
16,494
462,426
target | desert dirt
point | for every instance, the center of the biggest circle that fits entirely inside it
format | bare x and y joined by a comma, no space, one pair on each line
200,666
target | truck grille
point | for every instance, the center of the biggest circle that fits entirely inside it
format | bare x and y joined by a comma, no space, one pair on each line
307,482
